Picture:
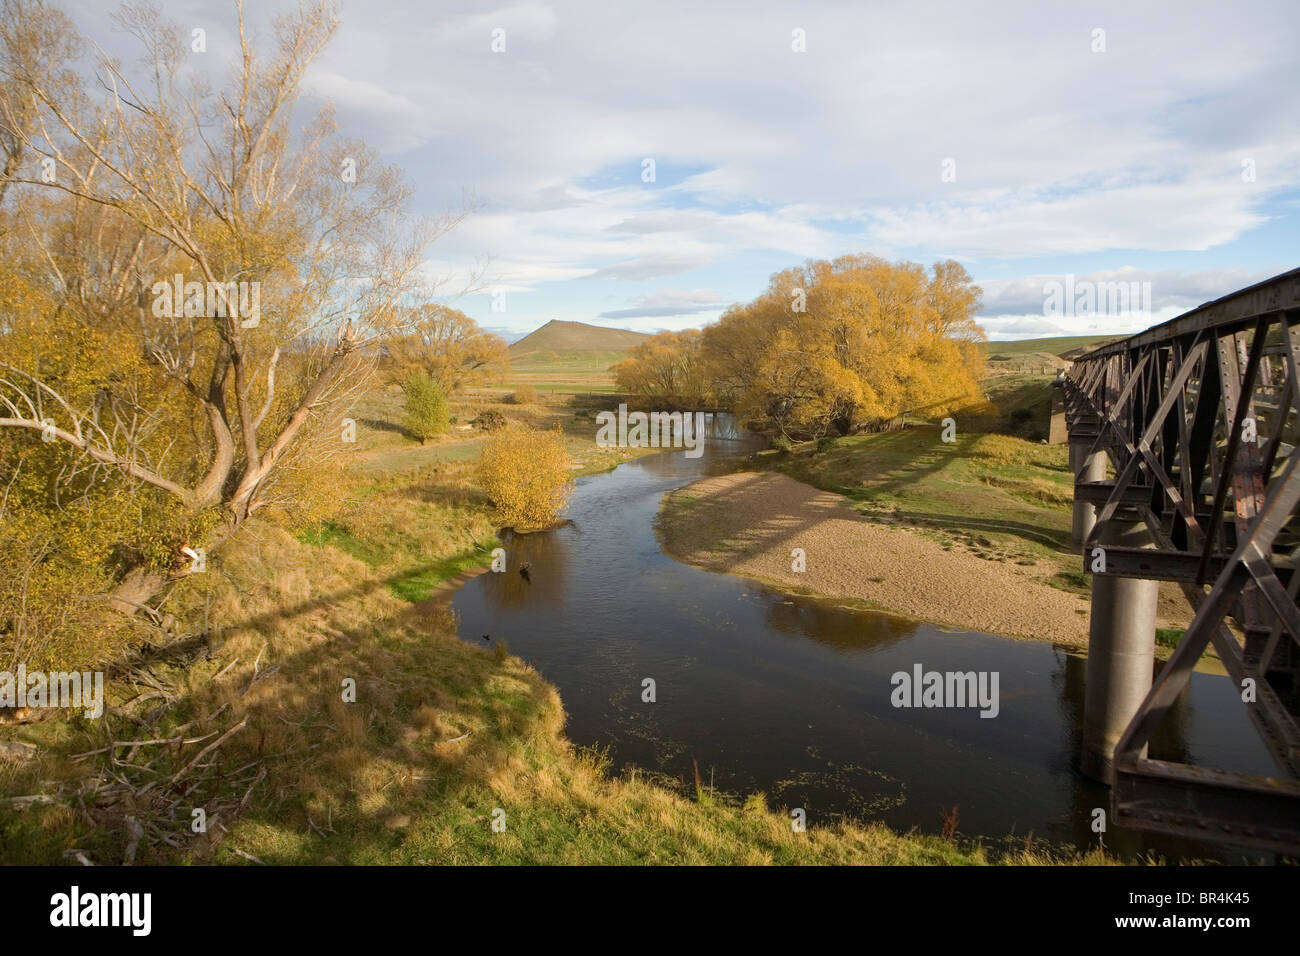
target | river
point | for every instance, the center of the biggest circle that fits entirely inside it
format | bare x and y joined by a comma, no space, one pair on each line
792,696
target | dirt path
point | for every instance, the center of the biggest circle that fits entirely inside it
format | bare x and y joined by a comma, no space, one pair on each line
749,523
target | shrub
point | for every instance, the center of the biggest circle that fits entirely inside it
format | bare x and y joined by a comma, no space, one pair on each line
426,406
523,395
490,420
525,474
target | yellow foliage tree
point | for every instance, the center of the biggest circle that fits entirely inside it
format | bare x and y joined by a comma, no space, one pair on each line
837,346
526,476
195,281
667,366
449,347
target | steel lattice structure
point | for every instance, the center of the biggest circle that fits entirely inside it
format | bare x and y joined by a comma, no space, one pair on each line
1200,419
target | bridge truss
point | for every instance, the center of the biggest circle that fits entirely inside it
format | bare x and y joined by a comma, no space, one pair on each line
1200,420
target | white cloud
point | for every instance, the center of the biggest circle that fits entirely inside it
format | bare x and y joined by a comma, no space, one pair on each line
1169,289
666,302
651,266
1134,153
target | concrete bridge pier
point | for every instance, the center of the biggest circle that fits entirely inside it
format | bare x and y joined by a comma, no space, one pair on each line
1121,648
1086,467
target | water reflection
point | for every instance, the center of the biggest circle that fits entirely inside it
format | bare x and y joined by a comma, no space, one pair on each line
536,569
836,626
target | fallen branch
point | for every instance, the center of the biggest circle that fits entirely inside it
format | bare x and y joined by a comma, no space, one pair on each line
217,676
200,755
142,743
34,799
247,856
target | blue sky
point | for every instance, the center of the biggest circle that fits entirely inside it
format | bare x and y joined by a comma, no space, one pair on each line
1170,157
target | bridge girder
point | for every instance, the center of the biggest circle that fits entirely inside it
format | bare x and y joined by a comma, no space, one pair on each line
1200,419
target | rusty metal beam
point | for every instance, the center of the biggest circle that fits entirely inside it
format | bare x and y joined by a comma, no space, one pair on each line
1200,417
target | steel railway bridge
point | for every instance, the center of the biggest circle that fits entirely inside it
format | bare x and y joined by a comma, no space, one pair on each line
1183,443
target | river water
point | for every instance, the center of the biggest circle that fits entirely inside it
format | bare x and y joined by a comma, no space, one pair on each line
791,696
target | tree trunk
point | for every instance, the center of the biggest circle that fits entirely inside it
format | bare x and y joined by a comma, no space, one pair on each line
140,585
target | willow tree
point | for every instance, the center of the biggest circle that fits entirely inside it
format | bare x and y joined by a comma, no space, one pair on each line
448,346
836,346
666,366
210,274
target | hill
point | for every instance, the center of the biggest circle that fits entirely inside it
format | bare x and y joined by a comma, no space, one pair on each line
1062,346
571,353
559,336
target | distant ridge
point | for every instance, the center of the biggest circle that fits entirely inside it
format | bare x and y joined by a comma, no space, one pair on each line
558,336
1062,346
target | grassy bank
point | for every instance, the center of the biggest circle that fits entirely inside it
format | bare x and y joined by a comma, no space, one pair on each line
995,497
247,719
996,494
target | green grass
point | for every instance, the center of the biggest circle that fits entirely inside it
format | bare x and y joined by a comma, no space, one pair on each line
337,535
1076,582
419,583
1169,636
1056,345
444,733
1012,494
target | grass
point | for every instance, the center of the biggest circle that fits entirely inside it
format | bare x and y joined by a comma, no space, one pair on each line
988,492
1060,345
1169,636
443,737
419,583
1024,404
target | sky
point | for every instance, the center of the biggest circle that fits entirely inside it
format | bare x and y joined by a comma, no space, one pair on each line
645,165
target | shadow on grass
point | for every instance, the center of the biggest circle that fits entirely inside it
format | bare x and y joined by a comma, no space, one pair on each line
435,726
380,425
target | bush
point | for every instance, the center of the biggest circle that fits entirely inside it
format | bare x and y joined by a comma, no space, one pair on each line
426,406
490,421
826,443
523,395
782,444
525,474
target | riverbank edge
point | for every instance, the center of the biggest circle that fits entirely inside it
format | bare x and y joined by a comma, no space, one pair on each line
666,514
465,731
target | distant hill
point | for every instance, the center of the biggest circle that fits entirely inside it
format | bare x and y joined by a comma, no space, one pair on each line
1062,346
559,336
571,352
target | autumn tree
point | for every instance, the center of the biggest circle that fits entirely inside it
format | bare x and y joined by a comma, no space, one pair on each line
198,283
836,346
525,474
666,366
449,346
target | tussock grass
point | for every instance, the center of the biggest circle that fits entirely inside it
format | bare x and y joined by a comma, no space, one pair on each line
442,735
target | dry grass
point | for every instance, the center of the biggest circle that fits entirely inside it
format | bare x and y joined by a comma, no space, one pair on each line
442,734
